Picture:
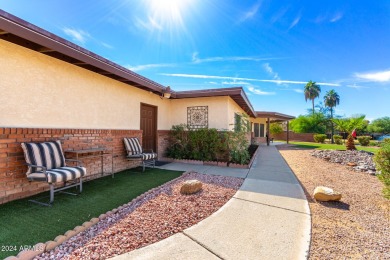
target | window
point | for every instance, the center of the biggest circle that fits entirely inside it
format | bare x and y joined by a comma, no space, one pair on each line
262,130
256,130
259,130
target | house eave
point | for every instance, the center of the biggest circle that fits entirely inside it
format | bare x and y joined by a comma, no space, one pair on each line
18,31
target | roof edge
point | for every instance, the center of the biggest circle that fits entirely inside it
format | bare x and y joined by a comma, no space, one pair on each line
21,28
236,93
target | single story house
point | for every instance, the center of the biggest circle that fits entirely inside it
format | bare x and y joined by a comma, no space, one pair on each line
53,89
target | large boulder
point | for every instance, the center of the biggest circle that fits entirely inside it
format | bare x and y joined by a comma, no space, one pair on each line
190,187
322,193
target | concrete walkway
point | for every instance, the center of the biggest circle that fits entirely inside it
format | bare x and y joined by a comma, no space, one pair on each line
268,218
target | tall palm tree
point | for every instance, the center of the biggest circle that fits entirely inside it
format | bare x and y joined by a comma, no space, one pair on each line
331,100
312,91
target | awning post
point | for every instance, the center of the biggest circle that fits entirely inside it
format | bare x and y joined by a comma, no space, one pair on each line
268,137
288,131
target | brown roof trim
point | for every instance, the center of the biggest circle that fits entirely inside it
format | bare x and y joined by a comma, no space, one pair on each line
236,93
274,116
28,35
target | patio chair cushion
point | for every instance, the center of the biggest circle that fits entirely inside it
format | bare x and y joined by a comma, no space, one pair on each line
61,174
143,156
48,154
148,156
133,146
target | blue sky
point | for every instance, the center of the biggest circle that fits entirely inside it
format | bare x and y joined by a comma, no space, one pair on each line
271,48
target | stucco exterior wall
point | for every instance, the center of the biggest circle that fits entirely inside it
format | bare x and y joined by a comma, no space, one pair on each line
40,91
259,121
233,108
217,110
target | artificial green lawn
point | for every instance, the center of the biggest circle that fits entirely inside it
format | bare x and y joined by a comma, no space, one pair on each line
23,223
320,146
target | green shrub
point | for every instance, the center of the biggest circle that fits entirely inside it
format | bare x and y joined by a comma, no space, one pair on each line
319,138
207,144
382,162
237,142
337,139
364,140
204,144
374,143
179,142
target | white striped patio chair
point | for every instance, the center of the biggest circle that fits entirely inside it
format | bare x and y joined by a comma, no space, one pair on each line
135,152
46,163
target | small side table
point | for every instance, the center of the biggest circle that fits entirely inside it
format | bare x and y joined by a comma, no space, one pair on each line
94,153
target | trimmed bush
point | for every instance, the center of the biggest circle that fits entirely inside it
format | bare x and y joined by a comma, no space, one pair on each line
374,143
319,138
207,144
382,162
338,139
364,140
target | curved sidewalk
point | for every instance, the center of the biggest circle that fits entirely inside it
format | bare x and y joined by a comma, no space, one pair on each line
268,218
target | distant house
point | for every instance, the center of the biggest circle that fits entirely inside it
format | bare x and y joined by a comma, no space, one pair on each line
53,89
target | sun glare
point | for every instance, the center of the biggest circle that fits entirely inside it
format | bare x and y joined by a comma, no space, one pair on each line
168,12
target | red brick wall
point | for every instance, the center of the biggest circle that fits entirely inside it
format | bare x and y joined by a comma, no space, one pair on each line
163,141
259,140
302,137
13,181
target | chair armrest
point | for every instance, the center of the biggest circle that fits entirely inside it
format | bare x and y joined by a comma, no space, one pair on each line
79,163
148,150
38,167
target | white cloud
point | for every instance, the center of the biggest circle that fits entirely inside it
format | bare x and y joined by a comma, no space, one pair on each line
149,66
380,76
355,86
279,14
298,90
213,82
295,22
197,60
151,24
77,35
106,45
271,72
82,37
329,18
258,91
251,12
336,17
197,76
235,83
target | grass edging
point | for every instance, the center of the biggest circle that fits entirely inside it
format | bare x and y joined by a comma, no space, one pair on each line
50,245
24,224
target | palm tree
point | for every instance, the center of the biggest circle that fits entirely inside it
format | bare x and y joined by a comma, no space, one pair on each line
331,100
312,91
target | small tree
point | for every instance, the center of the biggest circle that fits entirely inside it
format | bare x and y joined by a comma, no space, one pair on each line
237,140
380,125
348,125
314,123
275,128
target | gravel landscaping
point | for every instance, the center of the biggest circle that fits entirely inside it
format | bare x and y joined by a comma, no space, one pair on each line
157,215
358,226
360,161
